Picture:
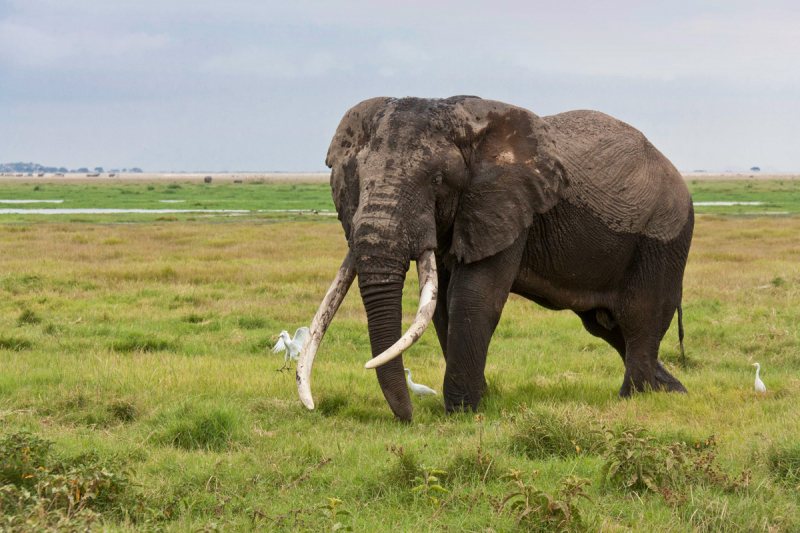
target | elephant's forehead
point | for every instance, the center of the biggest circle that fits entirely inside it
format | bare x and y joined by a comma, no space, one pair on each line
406,145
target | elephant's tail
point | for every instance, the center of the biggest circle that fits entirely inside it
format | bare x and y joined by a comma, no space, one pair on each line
680,334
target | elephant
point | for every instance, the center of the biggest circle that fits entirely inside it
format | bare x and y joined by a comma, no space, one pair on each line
573,211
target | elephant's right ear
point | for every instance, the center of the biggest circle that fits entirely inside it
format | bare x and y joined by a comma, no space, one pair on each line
354,133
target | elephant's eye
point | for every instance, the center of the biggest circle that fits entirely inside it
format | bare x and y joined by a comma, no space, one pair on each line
437,178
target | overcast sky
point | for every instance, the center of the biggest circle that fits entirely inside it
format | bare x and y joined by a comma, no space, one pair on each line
261,85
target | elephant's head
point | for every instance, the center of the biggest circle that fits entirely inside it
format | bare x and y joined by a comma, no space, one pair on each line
461,177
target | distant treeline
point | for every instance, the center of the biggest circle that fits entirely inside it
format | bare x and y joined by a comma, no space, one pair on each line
35,167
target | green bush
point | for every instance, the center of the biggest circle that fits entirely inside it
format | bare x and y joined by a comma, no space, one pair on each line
42,493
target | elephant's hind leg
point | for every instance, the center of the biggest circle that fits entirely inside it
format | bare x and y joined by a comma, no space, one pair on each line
612,335
643,370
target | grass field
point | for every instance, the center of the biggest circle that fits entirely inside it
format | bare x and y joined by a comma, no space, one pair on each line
135,366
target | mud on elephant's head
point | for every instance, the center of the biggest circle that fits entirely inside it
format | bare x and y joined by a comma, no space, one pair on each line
461,176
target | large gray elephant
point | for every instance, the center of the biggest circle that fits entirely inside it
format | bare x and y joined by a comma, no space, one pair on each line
573,211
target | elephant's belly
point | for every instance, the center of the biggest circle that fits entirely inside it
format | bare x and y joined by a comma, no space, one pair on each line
573,260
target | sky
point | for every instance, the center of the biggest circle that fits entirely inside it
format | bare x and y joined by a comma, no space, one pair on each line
201,85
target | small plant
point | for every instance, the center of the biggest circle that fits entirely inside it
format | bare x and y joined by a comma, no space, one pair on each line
428,484
541,510
639,462
22,455
406,470
330,511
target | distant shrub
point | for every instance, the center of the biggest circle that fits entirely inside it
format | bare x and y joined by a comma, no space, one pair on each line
193,318
174,186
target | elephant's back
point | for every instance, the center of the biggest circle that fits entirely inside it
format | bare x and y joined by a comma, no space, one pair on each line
615,173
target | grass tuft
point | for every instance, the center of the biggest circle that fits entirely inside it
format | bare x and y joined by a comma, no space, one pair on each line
555,432
783,461
202,426
14,343
137,342
27,316
122,410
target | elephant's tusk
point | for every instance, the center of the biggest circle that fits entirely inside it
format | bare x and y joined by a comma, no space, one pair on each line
428,281
330,304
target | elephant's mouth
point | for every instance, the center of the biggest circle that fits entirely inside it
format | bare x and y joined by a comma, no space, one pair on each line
428,281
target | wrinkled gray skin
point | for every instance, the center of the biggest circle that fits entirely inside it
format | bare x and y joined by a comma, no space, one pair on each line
573,211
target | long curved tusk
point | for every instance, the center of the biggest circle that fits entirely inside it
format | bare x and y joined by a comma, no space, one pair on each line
428,281
330,304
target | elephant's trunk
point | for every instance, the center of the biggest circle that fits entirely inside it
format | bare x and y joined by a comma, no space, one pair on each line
428,292
382,294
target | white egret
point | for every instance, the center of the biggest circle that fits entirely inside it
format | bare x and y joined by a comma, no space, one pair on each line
759,384
291,346
419,390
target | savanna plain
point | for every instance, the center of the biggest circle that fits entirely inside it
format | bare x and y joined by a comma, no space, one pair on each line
138,390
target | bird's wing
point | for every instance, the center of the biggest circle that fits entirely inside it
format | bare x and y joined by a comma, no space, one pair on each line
299,338
280,346
300,335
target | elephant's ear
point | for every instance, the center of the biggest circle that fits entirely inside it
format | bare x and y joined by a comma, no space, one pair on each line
354,132
515,172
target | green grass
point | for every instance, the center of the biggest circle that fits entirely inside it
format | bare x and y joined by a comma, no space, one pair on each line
777,196
252,196
144,350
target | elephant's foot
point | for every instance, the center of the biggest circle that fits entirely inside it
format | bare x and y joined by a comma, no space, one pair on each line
666,381
458,400
638,379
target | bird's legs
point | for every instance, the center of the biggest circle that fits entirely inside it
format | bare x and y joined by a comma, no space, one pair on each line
284,367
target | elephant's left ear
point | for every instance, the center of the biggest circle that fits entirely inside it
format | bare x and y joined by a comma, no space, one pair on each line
515,174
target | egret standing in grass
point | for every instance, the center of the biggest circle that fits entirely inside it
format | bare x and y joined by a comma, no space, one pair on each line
419,390
291,346
759,384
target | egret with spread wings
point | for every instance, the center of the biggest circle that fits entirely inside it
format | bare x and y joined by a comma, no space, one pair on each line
291,346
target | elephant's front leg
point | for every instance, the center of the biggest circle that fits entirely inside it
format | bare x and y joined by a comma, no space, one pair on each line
476,296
